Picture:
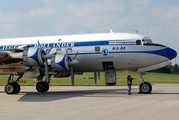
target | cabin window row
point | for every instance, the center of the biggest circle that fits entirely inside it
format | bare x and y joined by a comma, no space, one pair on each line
59,50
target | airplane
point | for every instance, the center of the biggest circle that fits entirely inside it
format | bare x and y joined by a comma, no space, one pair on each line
65,55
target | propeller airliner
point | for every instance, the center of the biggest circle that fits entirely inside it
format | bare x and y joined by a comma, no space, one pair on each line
65,55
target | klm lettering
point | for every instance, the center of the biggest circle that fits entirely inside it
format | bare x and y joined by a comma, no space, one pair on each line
118,48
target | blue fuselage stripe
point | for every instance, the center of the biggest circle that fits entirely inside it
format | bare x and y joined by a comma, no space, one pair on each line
167,52
73,44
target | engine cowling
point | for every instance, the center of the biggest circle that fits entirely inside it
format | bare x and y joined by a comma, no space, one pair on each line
59,63
32,56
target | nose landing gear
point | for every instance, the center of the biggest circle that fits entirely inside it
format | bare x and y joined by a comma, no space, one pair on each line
145,87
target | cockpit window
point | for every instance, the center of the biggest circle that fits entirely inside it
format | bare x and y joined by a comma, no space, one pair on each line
146,41
138,42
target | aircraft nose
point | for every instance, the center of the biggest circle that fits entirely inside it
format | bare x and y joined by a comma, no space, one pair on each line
170,53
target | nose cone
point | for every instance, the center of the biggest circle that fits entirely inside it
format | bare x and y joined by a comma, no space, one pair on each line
169,53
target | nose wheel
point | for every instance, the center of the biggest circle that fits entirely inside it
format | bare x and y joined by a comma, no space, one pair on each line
145,87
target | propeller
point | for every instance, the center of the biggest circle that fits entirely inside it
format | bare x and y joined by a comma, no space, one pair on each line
71,63
76,55
45,57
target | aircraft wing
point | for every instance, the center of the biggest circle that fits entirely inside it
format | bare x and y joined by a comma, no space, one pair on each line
10,56
11,61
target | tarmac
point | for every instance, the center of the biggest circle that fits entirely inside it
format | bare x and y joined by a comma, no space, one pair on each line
91,103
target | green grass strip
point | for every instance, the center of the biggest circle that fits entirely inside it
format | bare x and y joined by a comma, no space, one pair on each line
84,80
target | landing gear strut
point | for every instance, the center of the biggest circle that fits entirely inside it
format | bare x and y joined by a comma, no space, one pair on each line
12,87
144,87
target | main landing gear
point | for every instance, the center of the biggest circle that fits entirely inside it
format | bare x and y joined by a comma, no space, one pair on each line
145,87
12,87
42,86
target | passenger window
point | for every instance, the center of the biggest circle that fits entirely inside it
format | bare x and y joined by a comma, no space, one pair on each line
59,50
138,42
97,49
69,50
47,50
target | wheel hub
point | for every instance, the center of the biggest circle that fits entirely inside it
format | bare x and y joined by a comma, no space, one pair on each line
40,87
145,88
9,88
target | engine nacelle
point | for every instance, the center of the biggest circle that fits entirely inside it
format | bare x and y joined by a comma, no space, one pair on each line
32,56
59,63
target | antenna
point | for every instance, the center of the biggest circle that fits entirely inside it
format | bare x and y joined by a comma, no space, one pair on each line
111,31
136,31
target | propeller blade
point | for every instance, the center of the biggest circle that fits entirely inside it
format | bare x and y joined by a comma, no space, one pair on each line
72,76
76,55
66,50
51,47
41,47
99,75
68,54
95,77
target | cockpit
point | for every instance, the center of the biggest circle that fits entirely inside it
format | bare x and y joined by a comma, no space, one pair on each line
147,41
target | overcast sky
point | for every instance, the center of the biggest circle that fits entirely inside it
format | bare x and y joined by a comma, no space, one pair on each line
157,19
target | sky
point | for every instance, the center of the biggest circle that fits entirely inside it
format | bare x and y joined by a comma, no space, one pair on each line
157,19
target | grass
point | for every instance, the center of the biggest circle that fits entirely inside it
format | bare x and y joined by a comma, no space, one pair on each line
83,80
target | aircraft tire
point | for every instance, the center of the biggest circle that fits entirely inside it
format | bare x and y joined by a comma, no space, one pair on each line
12,88
46,86
42,86
18,88
145,88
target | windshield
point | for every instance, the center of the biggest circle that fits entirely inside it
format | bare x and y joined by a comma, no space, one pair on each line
146,40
